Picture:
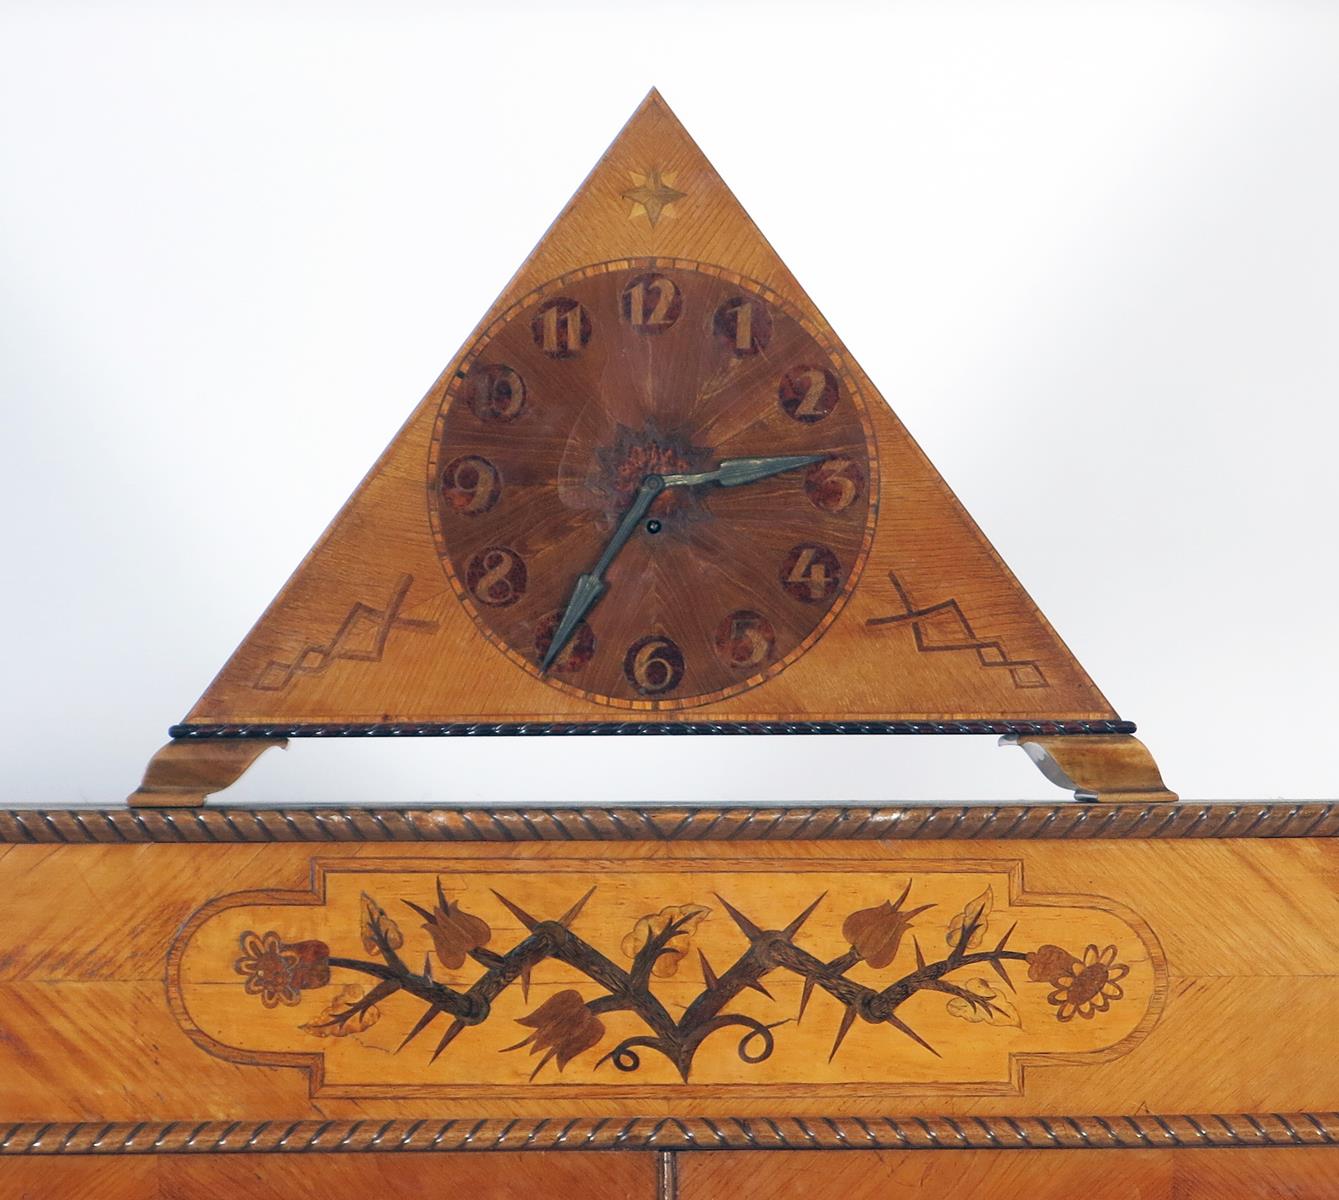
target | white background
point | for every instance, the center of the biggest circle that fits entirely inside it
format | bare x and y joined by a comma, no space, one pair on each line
1089,252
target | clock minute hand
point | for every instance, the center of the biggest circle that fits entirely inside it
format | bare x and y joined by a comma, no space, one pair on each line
734,471
590,586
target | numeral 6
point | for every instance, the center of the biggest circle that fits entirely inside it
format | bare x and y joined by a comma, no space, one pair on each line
654,665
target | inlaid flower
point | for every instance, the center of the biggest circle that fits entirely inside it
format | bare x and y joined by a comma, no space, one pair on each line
563,1027
278,971
1089,985
454,932
1047,963
876,933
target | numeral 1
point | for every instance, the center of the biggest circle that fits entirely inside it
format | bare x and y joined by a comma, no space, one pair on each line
744,324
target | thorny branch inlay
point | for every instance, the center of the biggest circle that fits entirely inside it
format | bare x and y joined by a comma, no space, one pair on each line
973,975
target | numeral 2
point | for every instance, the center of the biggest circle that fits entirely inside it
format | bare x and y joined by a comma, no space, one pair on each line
808,393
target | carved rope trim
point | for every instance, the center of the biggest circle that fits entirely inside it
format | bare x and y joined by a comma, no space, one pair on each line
675,1133
272,731
1022,822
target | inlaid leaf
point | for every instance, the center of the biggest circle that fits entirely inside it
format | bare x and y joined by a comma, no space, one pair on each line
975,913
375,917
991,1006
686,916
326,1026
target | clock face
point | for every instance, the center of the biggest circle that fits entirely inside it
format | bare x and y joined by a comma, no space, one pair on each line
583,391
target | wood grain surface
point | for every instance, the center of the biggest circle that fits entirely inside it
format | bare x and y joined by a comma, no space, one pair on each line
859,1175
1244,927
652,327
627,1176
1091,1174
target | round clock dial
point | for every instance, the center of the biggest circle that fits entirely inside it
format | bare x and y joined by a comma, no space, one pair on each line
652,483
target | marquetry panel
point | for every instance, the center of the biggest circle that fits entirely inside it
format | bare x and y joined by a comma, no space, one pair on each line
197,982
665,978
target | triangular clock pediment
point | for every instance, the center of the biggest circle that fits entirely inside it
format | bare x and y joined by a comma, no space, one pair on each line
652,332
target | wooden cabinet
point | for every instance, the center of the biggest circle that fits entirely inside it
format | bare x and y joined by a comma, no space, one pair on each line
1022,1000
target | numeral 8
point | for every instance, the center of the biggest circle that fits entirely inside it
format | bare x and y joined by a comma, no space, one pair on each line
496,576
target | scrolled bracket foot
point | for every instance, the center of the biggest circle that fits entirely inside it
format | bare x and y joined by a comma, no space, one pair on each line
1113,768
184,772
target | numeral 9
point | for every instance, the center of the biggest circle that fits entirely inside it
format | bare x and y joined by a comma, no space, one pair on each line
471,485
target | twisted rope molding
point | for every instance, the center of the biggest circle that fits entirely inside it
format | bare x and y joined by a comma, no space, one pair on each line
675,1133
402,729
1022,822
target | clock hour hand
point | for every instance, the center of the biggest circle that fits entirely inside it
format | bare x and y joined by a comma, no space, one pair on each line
734,471
590,586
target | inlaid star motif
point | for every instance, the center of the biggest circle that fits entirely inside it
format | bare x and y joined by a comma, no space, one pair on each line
654,194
